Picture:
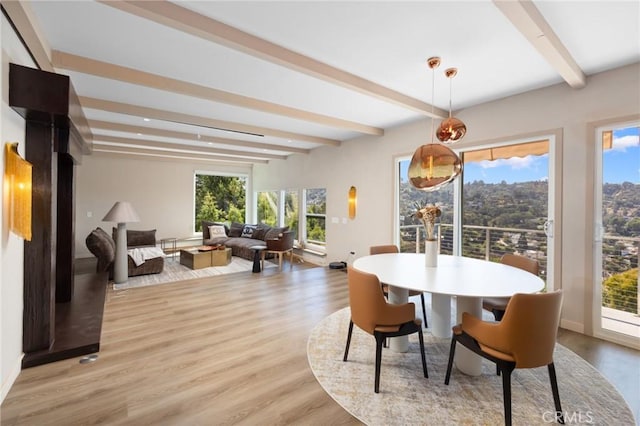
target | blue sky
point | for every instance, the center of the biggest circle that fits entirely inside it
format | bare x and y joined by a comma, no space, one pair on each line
620,164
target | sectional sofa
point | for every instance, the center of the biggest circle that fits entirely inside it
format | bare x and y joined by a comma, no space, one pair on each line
240,237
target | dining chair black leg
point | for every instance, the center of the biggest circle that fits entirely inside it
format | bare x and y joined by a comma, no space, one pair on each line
424,359
556,394
506,394
346,349
379,339
424,311
452,352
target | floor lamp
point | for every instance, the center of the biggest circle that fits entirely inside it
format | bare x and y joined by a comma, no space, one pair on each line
121,213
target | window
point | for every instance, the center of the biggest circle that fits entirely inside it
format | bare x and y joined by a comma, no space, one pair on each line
291,211
315,201
267,208
411,232
219,198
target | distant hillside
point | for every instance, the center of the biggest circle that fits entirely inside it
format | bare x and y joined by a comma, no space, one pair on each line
523,205
621,209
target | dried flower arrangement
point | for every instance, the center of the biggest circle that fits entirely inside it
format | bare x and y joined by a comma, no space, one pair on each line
428,215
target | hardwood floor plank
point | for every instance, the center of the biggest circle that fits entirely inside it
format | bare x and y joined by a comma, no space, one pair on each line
225,350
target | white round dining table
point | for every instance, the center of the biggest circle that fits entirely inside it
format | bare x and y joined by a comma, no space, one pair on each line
468,279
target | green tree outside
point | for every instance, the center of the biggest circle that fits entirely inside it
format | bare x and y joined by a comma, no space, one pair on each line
219,199
620,291
267,208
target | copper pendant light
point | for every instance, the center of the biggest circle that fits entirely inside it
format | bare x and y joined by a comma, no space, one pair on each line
451,129
433,165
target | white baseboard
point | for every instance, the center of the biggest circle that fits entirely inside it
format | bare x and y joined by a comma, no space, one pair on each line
572,325
10,380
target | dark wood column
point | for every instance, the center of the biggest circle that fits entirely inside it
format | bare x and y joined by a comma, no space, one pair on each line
65,245
40,252
53,145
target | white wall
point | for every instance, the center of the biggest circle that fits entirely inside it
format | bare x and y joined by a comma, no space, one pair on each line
367,163
11,247
161,192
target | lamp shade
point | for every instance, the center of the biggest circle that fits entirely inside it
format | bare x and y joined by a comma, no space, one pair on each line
121,212
432,166
451,130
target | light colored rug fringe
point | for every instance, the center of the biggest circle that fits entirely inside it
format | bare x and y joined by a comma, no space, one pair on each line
173,271
407,398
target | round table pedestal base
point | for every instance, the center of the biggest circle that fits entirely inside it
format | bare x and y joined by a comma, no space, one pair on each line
466,361
441,315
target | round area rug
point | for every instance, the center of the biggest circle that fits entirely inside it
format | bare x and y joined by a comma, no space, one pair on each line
407,398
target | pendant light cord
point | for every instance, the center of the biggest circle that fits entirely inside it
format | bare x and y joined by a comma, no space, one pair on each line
433,87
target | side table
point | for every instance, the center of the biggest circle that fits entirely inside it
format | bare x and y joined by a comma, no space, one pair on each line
256,257
221,257
169,243
195,259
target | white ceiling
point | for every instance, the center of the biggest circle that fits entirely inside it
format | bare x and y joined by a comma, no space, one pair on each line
384,43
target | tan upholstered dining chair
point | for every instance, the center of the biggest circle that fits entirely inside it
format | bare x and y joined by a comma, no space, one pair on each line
525,338
497,305
392,248
371,313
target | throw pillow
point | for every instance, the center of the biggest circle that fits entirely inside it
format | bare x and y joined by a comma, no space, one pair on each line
205,228
260,232
217,231
247,231
236,229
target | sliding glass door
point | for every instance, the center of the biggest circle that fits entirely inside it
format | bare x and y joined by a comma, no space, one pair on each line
503,203
617,233
506,207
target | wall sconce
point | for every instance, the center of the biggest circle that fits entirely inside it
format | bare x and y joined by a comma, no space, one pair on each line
17,178
353,200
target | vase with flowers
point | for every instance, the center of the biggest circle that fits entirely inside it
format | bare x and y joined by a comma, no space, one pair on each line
428,216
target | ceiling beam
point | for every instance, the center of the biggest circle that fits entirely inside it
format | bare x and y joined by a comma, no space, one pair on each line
22,18
132,152
192,137
527,19
90,66
25,24
175,117
146,143
190,22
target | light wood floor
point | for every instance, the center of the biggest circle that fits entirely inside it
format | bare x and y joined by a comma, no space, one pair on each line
223,350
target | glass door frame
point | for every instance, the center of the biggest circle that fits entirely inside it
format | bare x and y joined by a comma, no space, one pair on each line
593,322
